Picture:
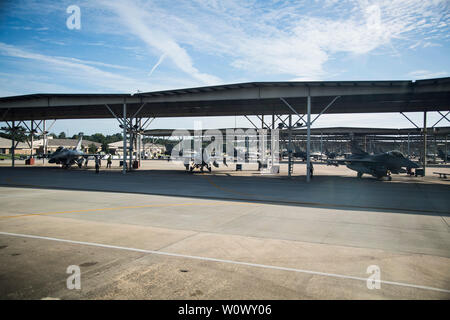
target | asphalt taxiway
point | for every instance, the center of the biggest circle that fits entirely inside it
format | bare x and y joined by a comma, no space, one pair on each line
162,233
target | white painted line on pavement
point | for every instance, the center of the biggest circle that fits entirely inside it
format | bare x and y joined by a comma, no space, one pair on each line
325,274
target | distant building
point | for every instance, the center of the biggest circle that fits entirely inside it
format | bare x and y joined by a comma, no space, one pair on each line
21,147
54,143
116,148
24,148
151,149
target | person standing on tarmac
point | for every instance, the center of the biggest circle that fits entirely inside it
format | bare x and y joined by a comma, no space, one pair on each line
311,170
97,165
109,162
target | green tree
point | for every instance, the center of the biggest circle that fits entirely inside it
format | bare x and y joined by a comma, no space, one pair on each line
97,137
105,147
92,148
62,135
18,132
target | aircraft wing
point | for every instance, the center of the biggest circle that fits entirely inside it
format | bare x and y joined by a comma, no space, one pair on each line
87,155
359,160
362,160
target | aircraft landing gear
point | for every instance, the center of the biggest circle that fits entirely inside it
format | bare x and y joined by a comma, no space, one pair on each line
359,175
389,177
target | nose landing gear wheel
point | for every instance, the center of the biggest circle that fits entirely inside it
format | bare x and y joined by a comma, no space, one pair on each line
359,175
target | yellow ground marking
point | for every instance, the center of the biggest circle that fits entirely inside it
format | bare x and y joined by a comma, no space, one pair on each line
161,205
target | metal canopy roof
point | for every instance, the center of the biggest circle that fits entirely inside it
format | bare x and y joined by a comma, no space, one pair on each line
238,99
439,131
170,132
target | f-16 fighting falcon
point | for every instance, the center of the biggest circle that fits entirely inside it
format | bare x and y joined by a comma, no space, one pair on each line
378,165
443,155
201,160
68,157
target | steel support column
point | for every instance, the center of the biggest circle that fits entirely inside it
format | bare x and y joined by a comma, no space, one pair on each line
290,169
424,141
308,140
32,139
130,143
262,141
13,147
446,154
44,144
124,160
435,148
321,144
272,141
409,150
140,141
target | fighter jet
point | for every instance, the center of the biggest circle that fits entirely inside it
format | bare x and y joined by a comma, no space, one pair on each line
330,155
443,156
316,155
68,157
199,160
378,165
299,153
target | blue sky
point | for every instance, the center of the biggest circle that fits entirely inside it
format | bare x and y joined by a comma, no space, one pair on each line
130,45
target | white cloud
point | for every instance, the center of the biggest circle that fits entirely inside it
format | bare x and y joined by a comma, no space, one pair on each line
135,19
160,60
426,74
13,84
58,74
74,69
279,37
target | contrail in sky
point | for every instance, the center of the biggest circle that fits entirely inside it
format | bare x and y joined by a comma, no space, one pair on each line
161,59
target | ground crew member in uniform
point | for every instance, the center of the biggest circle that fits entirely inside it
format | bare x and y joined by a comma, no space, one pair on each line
108,164
97,165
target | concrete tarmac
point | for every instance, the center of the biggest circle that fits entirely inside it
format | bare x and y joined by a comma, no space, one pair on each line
162,234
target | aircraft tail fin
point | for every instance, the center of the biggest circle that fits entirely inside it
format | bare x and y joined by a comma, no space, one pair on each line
80,139
357,150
